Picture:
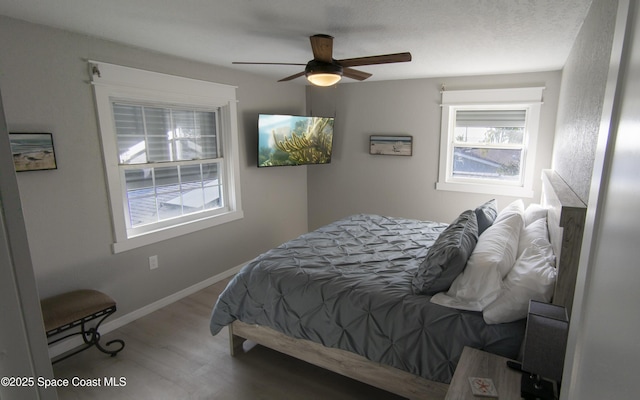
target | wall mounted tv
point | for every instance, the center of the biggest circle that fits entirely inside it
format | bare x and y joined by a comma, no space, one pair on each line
294,140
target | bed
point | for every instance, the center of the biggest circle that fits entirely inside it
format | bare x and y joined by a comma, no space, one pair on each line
352,304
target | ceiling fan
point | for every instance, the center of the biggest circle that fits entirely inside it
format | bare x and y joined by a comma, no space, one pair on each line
324,70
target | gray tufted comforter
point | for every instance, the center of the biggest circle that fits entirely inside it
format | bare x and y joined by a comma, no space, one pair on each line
348,285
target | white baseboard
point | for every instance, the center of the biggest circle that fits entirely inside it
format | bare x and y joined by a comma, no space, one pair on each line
76,341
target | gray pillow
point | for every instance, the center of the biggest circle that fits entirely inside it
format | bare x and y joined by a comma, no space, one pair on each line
448,256
486,214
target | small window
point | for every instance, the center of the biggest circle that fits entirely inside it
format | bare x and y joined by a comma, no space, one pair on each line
171,157
488,143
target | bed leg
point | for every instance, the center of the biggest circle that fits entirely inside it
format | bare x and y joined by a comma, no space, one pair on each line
235,343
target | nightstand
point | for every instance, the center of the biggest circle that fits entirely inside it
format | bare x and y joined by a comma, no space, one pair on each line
481,364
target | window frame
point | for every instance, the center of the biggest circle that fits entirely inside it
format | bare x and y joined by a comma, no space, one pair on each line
114,83
528,99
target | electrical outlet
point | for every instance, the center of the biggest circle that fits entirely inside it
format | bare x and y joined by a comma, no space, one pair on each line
153,262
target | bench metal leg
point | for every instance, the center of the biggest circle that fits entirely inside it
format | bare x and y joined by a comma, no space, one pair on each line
91,337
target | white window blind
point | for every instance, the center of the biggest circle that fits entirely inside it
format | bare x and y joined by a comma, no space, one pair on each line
490,118
156,134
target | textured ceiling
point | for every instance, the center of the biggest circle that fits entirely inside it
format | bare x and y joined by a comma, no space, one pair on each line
445,37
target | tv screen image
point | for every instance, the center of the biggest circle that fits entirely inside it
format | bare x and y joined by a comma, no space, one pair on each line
294,140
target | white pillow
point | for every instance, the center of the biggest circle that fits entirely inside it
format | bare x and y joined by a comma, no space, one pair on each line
532,277
481,281
516,207
534,212
535,230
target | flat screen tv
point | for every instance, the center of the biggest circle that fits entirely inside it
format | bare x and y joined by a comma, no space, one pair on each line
294,140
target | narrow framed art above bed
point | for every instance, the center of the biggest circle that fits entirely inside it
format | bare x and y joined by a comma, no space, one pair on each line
351,304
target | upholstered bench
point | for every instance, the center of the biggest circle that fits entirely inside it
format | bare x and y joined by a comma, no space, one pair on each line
66,311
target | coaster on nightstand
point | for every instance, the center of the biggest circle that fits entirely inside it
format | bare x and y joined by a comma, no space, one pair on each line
483,387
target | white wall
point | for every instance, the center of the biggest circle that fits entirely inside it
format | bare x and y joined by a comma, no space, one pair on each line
603,338
23,347
43,75
356,181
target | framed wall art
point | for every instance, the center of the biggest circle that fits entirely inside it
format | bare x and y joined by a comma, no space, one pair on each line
394,145
33,151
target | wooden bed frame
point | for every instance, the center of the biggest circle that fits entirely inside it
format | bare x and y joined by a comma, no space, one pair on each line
565,218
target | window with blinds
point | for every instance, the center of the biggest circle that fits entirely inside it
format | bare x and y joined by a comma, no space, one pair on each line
169,159
489,144
488,140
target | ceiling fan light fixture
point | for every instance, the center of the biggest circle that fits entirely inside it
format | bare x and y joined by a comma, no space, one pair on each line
320,79
323,74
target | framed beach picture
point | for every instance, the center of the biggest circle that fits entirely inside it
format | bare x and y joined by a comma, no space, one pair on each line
32,151
395,145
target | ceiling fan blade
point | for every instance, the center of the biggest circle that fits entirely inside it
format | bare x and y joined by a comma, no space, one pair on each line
355,74
288,78
371,60
322,47
264,63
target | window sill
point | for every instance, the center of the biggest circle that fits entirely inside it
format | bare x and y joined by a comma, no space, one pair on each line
175,231
514,191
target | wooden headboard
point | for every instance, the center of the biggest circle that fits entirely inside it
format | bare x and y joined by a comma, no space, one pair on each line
565,218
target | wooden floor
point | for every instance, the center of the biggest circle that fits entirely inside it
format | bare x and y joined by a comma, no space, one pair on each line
170,354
